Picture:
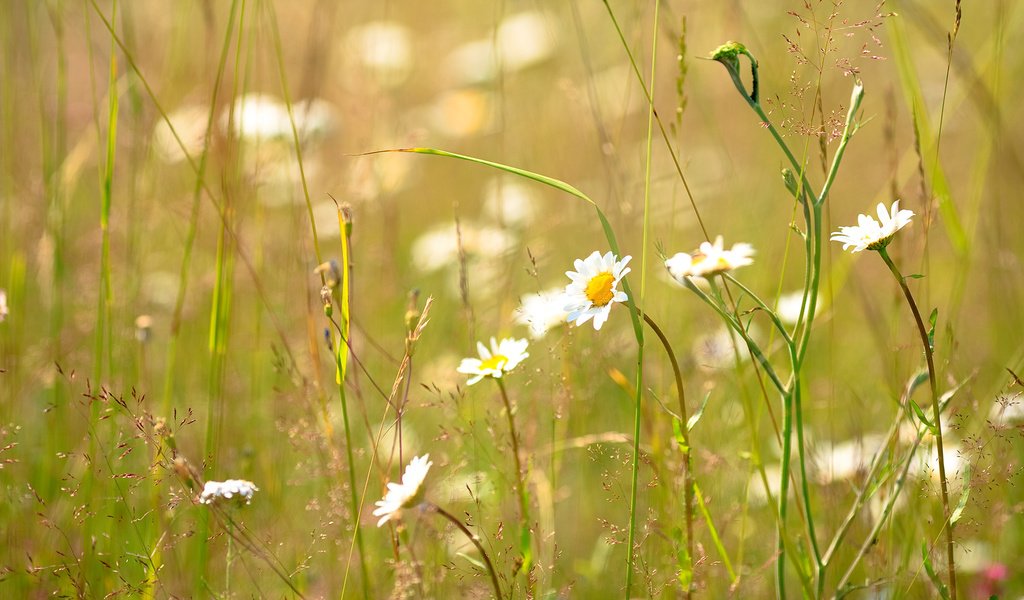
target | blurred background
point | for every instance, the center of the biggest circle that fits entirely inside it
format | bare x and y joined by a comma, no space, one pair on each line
164,269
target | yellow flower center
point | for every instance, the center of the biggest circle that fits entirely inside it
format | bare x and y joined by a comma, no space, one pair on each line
599,289
495,362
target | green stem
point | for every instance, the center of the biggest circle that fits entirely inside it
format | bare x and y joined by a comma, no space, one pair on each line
472,538
524,503
688,482
738,328
936,415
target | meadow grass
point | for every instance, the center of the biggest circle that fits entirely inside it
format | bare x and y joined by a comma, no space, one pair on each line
248,250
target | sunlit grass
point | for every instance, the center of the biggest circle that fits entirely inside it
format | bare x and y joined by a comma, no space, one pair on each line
254,241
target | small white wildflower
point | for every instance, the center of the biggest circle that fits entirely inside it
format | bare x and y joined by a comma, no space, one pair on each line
238,491
385,50
502,357
709,259
594,288
510,202
541,311
519,42
789,305
3,306
870,234
439,247
405,494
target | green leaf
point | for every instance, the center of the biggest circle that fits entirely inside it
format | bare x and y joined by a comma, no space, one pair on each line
927,560
697,415
959,510
914,276
920,415
677,431
526,548
476,563
931,330
916,381
685,571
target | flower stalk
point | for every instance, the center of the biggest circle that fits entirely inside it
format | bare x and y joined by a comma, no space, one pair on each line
476,542
684,428
926,343
525,537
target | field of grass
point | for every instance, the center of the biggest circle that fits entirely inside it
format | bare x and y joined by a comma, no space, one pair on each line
256,240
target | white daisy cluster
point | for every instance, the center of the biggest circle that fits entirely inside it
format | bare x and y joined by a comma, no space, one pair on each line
238,491
870,234
594,288
710,259
405,494
502,357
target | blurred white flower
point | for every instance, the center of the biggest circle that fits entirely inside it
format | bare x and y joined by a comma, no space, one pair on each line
502,357
190,124
845,460
384,48
594,288
238,491
439,247
259,117
405,494
720,349
520,41
3,306
525,40
510,201
709,259
143,328
926,465
756,494
870,234
541,311
1005,411
789,305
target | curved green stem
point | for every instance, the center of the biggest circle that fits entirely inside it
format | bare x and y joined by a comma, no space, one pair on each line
688,483
524,503
936,414
472,538
768,311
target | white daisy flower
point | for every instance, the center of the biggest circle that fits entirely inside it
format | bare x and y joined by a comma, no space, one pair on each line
238,491
870,234
594,288
501,358
405,494
541,311
709,259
